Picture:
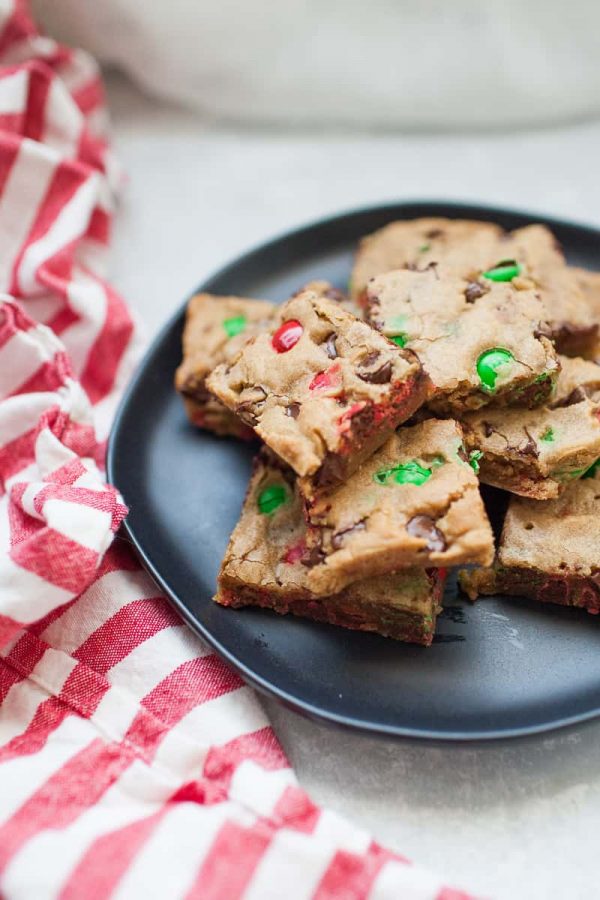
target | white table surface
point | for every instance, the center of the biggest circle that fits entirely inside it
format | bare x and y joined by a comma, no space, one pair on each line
518,820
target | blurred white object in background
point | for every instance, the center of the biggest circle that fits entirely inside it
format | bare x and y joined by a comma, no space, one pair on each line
388,63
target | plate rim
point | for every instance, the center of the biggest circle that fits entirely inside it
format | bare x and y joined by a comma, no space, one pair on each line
263,685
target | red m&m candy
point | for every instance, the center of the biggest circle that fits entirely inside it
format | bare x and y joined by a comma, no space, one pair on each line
327,382
287,336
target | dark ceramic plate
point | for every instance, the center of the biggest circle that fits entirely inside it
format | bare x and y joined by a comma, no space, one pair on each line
501,668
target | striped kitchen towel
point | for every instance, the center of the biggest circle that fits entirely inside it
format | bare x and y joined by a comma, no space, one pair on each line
133,762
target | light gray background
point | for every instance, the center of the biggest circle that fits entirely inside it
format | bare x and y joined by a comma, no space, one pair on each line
519,820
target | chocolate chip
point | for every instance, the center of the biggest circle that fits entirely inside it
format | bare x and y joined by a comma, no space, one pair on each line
462,454
312,557
488,429
382,375
576,396
293,410
530,448
424,527
331,471
338,538
474,291
434,233
369,359
330,346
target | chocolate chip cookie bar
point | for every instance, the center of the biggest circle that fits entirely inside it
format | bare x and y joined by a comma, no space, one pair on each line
589,285
548,551
480,343
481,252
264,566
539,262
538,452
415,502
463,246
215,329
321,388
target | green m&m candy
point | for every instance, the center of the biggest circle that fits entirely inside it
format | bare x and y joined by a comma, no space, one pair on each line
489,364
271,498
591,472
504,271
548,435
474,457
397,324
404,473
234,325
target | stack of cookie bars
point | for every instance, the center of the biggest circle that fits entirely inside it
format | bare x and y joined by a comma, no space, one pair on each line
463,354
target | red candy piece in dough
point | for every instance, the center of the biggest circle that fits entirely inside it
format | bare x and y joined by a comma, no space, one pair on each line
295,553
345,420
287,336
329,381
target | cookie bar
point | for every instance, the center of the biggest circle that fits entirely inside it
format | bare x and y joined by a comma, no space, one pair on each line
215,329
548,551
462,245
321,388
539,262
479,343
263,566
538,452
589,285
415,502
481,252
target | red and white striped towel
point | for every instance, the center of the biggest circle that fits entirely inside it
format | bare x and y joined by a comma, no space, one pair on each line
133,763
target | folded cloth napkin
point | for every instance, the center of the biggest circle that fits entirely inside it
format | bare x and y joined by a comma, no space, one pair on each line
133,763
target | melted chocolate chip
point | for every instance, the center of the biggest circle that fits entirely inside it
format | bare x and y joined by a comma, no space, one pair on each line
462,454
330,346
474,291
331,471
530,448
488,429
576,396
293,410
424,527
312,557
369,359
434,233
338,538
382,375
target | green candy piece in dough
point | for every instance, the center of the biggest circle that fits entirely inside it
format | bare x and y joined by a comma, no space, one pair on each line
424,248
404,473
397,324
488,365
548,435
504,271
592,469
234,325
474,457
271,498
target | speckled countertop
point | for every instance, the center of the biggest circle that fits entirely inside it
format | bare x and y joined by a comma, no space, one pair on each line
517,820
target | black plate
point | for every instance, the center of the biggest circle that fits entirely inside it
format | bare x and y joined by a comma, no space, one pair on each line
501,668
